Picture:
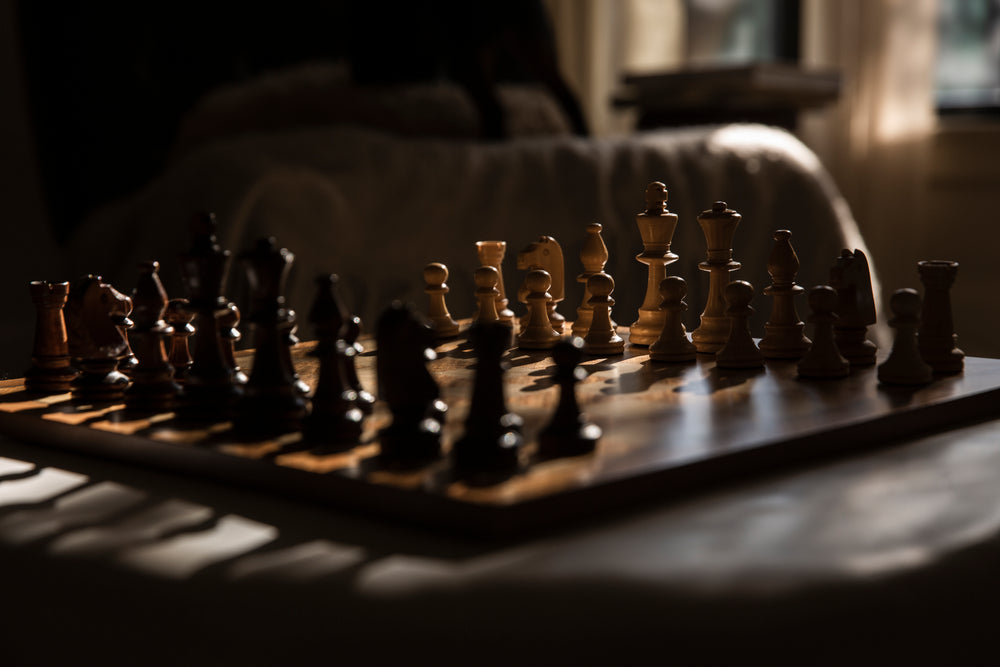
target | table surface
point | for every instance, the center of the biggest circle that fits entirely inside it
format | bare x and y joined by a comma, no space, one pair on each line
888,553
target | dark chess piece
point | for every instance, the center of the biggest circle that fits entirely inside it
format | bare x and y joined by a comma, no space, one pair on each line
569,433
783,337
209,392
127,363
153,387
229,333
179,316
823,359
51,370
353,349
94,314
289,327
739,351
404,346
673,343
905,365
271,402
489,450
851,277
335,420
936,337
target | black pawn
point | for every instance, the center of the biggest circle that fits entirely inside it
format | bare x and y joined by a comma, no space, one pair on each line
229,322
289,327
271,403
335,420
823,359
569,433
905,366
489,450
350,334
178,315
210,392
404,345
739,350
153,387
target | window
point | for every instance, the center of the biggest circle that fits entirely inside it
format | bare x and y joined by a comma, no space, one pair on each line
968,60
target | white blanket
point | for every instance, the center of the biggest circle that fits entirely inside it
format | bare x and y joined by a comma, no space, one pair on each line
376,208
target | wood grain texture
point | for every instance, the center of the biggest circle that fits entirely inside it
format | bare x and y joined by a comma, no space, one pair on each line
668,429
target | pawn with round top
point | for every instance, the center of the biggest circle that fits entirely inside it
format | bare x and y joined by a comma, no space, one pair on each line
905,365
442,324
739,350
673,343
601,338
823,360
538,334
486,278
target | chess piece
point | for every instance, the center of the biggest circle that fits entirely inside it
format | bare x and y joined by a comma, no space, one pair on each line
350,333
229,333
94,314
656,226
335,419
487,278
488,452
601,338
546,254
904,365
209,391
936,337
740,351
51,370
823,359
178,316
153,387
568,433
783,337
719,225
491,253
404,346
128,362
851,277
442,324
538,334
288,329
593,256
271,402
673,343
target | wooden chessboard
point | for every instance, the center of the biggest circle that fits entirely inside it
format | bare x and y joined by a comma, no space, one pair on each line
668,429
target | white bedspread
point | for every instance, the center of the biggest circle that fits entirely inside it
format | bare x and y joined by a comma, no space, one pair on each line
375,209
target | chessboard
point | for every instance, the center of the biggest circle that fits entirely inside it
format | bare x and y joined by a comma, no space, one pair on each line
668,429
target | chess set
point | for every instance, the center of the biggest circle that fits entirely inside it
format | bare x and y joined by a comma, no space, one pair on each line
497,423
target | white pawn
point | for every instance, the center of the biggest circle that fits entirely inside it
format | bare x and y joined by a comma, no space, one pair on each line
905,365
435,275
601,338
538,333
486,294
673,343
